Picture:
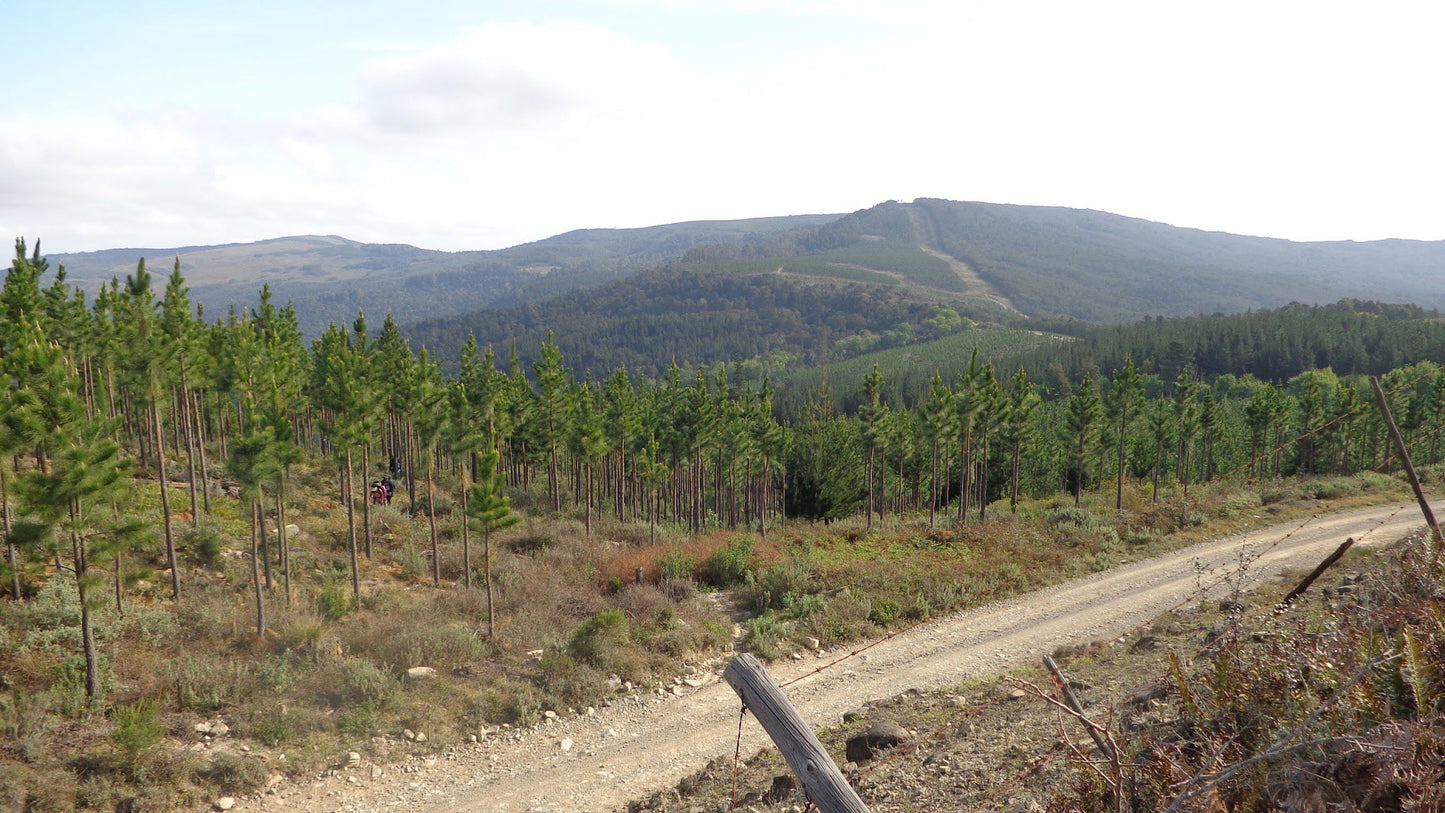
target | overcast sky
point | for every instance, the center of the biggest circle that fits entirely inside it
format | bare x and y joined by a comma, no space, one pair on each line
465,125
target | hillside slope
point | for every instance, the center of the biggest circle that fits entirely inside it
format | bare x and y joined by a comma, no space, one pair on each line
1102,267
330,278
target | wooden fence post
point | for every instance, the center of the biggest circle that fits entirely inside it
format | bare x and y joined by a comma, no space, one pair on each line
820,776
1073,703
1404,453
1314,574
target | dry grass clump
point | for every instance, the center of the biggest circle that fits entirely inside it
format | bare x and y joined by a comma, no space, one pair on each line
1336,704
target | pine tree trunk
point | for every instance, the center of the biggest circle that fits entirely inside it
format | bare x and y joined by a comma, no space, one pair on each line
351,532
283,542
431,516
10,553
466,534
184,414
198,417
366,499
410,471
166,503
487,568
587,512
117,584
257,531
87,633
1013,495
265,540
965,472
763,500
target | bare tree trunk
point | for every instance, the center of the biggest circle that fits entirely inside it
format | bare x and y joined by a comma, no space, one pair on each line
87,633
184,413
166,501
351,532
10,556
466,536
201,450
487,568
431,514
366,499
283,542
257,531
265,540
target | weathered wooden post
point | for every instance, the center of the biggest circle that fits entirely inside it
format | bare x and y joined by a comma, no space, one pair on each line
1404,453
1304,584
821,778
1073,703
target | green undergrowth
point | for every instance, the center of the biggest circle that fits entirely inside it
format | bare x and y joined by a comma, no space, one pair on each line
844,583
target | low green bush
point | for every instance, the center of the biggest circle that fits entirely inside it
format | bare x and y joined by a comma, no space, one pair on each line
731,564
138,728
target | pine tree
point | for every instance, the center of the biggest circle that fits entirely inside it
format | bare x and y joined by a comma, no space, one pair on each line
429,417
1123,399
870,414
251,464
148,357
587,441
1082,425
70,500
492,512
552,411
1186,423
968,403
938,415
1020,428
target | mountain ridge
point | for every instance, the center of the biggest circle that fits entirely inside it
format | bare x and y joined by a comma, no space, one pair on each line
1039,261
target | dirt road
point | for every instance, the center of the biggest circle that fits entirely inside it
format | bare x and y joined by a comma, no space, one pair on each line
638,746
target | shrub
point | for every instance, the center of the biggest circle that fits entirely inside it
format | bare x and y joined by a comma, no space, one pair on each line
1376,481
675,564
233,774
272,729
207,685
593,638
441,647
202,545
354,682
761,635
137,728
778,586
804,605
332,601
883,612
730,564
1080,518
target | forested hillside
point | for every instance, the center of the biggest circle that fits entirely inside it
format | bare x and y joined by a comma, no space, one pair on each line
330,279
1101,267
695,318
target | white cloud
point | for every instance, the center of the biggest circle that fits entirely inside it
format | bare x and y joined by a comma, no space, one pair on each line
511,76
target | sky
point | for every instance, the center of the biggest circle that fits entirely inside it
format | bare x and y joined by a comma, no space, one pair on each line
473,125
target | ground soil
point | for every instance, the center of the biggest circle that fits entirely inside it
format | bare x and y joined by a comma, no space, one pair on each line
983,739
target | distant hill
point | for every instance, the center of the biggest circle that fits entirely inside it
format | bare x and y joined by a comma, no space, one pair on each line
1101,267
1008,265
789,300
330,278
